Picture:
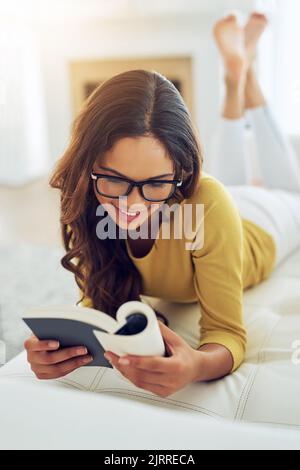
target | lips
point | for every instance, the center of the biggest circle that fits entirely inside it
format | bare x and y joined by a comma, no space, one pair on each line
129,216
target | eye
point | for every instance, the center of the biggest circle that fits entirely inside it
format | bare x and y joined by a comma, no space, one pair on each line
157,184
113,179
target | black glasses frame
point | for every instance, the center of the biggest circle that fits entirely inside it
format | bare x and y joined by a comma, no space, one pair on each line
175,182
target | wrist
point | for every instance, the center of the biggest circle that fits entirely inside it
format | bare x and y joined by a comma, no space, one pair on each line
212,361
200,366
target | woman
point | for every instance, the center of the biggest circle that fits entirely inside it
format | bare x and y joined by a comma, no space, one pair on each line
136,130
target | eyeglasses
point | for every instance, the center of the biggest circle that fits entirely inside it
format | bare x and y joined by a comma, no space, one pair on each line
152,190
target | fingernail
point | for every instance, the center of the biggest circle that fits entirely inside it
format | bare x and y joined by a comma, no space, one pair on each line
87,359
53,344
124,362
81,351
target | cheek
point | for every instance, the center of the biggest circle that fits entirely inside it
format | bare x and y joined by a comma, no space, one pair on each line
108,205
108,202
101,199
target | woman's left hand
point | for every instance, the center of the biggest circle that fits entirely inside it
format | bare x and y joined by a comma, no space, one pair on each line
161,375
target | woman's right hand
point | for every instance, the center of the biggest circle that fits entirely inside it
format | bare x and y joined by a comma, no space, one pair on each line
47,362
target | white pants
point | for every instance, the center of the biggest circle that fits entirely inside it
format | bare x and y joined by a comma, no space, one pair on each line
275,206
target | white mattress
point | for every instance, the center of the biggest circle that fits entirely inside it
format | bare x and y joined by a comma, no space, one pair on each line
255,407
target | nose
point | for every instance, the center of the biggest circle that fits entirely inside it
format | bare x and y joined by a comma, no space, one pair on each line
135,198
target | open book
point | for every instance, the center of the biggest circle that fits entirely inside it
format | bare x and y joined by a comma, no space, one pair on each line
134,331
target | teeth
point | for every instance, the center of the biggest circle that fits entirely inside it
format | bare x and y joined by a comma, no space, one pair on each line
129,213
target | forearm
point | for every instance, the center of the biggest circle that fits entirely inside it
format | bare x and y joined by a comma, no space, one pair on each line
212,361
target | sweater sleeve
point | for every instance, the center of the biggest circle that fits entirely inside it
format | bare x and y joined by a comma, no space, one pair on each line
218,272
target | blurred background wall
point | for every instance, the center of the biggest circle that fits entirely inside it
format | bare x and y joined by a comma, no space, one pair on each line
41,40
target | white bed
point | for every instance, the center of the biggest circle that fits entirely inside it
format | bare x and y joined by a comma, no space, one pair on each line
256,407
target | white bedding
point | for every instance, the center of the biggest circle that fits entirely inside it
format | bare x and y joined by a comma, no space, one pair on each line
265,390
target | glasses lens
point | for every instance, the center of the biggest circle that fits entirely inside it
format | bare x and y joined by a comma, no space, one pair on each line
158,191
112,187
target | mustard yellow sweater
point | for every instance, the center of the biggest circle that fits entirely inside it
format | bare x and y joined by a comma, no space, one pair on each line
235,255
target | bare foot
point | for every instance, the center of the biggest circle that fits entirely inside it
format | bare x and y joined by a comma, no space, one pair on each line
253,30
230,38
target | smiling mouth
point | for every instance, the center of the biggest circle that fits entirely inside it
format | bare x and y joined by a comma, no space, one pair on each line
130,214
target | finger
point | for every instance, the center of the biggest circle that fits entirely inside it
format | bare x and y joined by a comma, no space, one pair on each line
110,356
151,378
172,338
34,344
144,380
56,357
59,370
150,363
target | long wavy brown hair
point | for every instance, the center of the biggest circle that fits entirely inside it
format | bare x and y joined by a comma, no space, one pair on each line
130,104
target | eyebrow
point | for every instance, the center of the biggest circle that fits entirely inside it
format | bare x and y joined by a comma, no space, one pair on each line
124,176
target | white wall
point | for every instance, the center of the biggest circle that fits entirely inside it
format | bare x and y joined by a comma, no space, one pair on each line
184,35
23,130
184,28
65,40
